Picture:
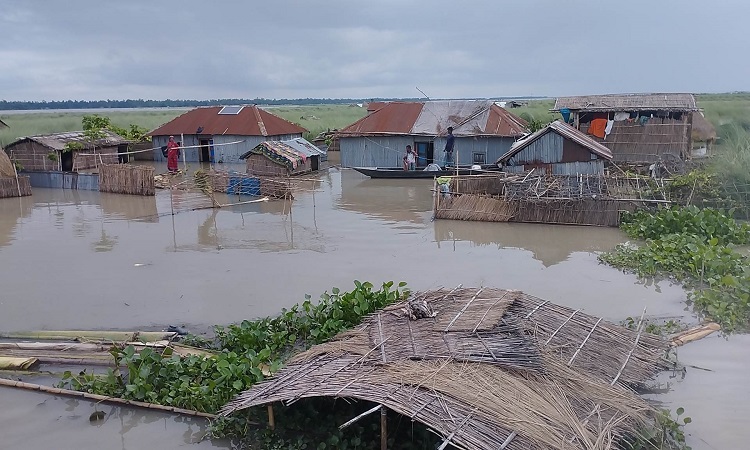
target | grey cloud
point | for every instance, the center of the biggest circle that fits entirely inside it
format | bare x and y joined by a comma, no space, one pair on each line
342,48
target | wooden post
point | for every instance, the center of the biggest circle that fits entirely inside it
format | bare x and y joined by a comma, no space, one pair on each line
383,428
271,422
182,145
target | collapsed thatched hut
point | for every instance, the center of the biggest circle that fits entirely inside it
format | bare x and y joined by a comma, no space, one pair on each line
283,158
53,152
557,149
637,128
704,135
484,368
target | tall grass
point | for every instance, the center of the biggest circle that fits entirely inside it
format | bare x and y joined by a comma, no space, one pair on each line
319,118
44,123
536,113
315,118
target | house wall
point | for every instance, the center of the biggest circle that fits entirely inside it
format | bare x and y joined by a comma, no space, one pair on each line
665,139
388,151
553,154
259,165
34,156
225,153
567,168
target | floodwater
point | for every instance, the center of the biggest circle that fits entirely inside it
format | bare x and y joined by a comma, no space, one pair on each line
88,260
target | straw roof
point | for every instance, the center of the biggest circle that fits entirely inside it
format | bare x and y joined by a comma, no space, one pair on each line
6,166
484,368
57,141
628,102
702,129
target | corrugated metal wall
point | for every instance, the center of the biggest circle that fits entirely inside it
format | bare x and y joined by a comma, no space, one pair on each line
547,149
388,151
593,167
64,180
226,153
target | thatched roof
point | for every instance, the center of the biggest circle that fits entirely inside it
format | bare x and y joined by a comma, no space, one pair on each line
489,368
703,130
57,141
628,102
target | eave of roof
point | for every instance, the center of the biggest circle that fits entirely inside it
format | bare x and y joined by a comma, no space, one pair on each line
564,130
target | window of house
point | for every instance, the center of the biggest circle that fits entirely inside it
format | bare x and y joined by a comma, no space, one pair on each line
479,158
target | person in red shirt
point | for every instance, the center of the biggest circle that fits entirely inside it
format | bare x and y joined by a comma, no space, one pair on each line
172,150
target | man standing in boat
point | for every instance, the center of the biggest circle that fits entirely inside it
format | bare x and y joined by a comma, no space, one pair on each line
410,159
449,140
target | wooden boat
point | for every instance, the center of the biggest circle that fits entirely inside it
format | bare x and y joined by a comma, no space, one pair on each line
399,172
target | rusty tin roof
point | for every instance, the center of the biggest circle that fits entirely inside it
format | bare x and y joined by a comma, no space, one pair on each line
564,130
250,121
628,102
467,117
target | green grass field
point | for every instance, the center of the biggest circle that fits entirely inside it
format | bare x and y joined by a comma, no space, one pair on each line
314,118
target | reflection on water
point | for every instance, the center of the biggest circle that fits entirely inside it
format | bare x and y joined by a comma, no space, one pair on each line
122,262
53,422
549,244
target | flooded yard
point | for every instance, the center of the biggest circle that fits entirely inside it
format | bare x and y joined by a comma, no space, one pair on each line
89,260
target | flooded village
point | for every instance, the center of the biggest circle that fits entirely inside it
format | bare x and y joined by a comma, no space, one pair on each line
511,332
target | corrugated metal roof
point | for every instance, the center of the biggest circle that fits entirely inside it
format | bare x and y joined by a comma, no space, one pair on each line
57,141
374,106
298,145
564,130
467,117
627,102
250,121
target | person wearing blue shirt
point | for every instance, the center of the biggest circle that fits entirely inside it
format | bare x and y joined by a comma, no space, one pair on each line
449,140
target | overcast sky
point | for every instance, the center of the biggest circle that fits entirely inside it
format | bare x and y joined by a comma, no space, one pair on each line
184,49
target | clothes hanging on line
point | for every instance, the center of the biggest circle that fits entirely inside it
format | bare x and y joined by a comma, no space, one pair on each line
565,112
608,128
597,127
620,116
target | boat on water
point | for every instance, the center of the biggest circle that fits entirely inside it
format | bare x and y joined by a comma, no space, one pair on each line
399,172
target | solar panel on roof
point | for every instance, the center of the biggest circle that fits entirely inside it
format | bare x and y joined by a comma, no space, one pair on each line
231,110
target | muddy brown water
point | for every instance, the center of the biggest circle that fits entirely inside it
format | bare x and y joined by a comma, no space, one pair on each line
89,260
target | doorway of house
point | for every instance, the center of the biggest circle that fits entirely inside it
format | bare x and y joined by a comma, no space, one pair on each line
66,161
207,150
425,153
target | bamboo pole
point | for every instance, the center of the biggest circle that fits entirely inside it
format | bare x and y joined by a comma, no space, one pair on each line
104,398
271,421
383,428
88,335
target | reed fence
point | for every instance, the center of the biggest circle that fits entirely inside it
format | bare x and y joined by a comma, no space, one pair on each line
127,179
15,187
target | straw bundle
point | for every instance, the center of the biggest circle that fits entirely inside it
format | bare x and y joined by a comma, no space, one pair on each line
127,179
475,207
6,165
516,372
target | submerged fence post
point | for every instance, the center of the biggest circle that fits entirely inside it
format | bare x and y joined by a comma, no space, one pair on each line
383,428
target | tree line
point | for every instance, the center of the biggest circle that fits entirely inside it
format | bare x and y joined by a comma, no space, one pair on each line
6,105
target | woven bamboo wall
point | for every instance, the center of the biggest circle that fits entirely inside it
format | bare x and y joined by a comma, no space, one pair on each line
659,138
9,187
552,211
127,179
261,166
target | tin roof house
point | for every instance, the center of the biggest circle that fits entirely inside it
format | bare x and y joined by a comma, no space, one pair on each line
52,152
557,149
636,128
483,132
223,133
284,158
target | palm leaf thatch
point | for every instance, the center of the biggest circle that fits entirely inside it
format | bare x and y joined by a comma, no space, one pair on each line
484,368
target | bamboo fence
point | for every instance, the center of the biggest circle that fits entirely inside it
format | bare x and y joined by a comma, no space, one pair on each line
127,179
556,199
12,187
484,368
